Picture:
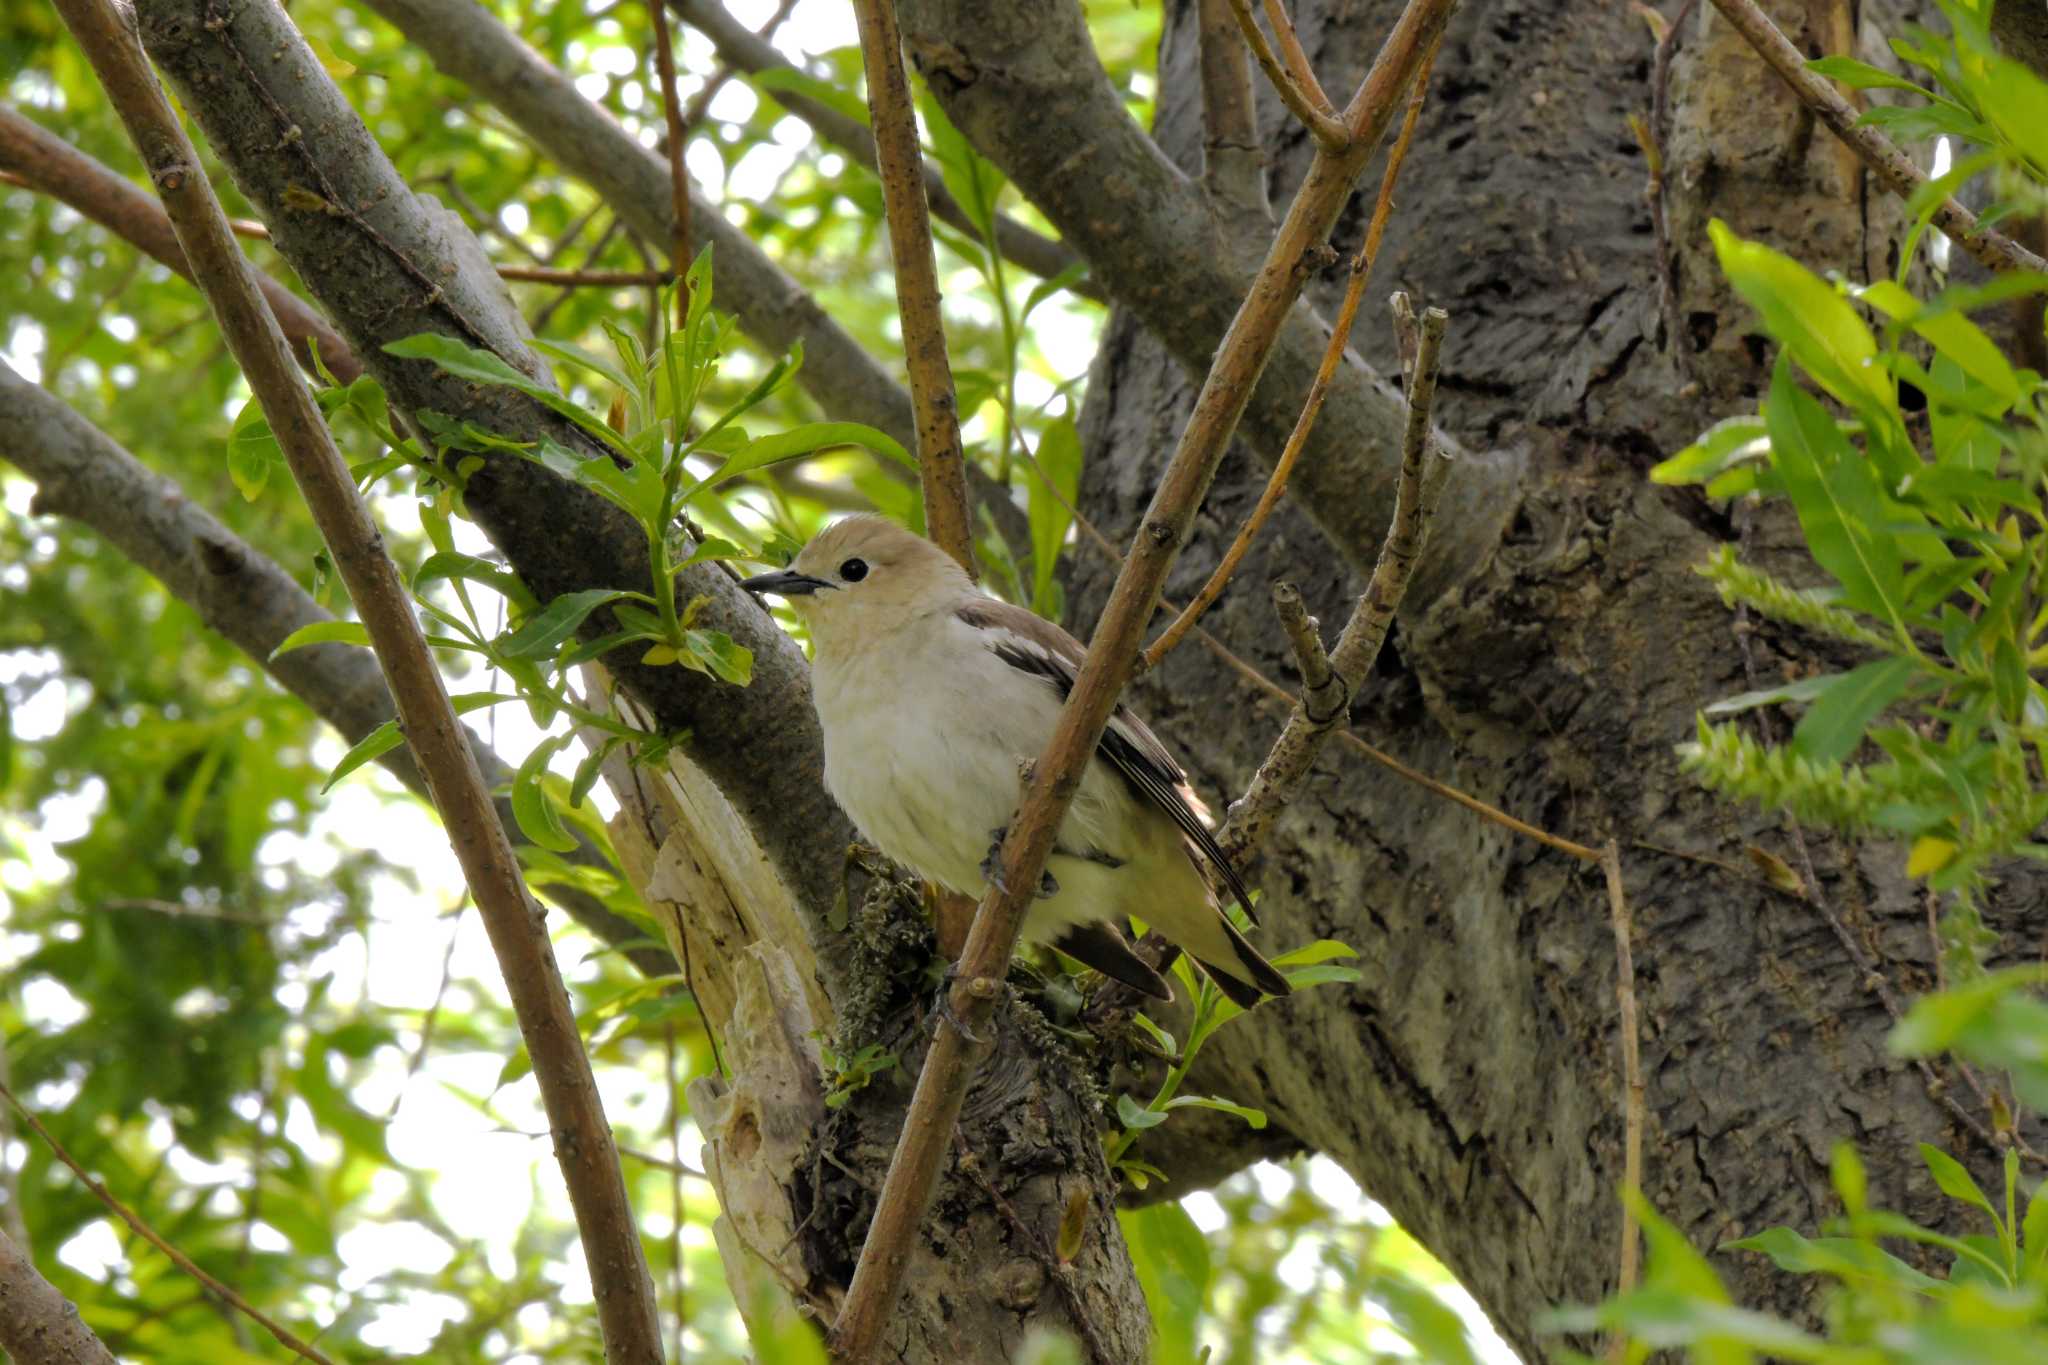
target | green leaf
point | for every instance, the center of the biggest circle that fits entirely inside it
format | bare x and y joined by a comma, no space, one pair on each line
532,807
485,367
1255,1117
453,564
252,451
2009,679
324,633
1862,76
716,653
787,79
1935,1022
1172,1260
1955,1182
1727,443
1813,322
1059,461
1805,689
1851,1181
1309,954
379,741
798,442
1837,497
1840,714
1133,1115
1951,334
539,634
1842,1257
1431,1325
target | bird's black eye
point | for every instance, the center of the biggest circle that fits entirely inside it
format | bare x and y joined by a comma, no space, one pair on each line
854,570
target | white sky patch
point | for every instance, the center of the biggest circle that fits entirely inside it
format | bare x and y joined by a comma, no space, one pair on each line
1938,244
24,351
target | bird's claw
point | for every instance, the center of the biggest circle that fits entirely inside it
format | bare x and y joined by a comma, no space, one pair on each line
943,1008
992,869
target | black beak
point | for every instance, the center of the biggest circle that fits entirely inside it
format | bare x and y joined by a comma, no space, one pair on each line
789,583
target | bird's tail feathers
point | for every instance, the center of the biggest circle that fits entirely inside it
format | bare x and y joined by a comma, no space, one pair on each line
1101,946
1250,976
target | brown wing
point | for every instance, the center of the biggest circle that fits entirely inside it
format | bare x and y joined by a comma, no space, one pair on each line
1031,644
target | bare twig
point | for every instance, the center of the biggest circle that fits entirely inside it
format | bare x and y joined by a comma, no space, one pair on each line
285,1336
678,138
1112,652
941,464
49,165
1233,161
1279,777
1324,695
1632,1075
1312,407
576,279
751,53
1306,101
1292,55
625,1298
1893,168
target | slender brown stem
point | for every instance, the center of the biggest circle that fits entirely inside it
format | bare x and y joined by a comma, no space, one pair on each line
572,279
1280,776
583,1145
1632,1076
1233,161
678,138
1319,389
749,52
1305,102
1893,168
226,1293
1293,57
941,463
1112,653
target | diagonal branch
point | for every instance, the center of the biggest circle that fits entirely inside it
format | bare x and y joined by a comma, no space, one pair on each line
83,475
941,463
1292,79
583,1146
39,1326
753,54
1893,168
48,164
1112,651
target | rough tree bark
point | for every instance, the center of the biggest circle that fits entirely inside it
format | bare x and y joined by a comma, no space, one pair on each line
1472,1081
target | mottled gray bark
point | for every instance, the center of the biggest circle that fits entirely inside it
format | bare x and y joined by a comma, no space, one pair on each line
1472,1080
38,1325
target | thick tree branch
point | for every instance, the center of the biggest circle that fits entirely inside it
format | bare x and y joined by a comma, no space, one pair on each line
940,462
38,1325
52,166
250,80
238,591
583,1142
753,54
1113,649
1893,168
1023,82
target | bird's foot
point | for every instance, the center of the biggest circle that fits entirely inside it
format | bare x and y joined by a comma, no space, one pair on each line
942,1006
992,869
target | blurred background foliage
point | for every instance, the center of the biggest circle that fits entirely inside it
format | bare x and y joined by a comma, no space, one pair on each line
262,1015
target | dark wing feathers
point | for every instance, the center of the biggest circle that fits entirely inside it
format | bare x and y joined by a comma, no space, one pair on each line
1031,644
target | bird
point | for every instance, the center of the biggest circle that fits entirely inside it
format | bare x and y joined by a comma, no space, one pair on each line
932,695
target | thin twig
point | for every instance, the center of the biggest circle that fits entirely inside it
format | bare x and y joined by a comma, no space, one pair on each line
1324,695
1893,168
574,279
1112,653
285,1336
1319,390
941,463
1233,159
1632,1075
1292,55
748,51
678,139
1307,103
1358,646
590,1167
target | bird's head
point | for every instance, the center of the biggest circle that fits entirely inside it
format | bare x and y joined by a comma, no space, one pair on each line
862,578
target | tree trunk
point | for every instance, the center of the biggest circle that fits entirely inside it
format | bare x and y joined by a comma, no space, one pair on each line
1472,1081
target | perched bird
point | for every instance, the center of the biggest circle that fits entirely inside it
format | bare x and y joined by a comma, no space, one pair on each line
931,695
